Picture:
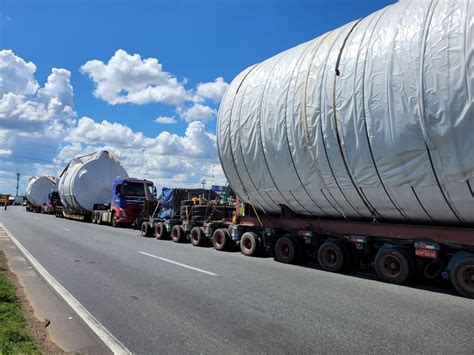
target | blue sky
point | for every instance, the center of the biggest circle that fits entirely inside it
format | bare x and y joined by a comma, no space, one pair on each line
194,41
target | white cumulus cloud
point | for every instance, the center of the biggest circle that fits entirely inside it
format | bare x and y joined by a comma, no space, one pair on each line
40,132
128,78
16,75
212,90
167,159
198,112
165,120
25,107
90,132
5,151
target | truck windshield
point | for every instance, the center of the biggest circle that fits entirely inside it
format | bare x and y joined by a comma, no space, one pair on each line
134,189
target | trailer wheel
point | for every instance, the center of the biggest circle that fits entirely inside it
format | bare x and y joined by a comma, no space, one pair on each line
221,239
177,234
249,244
114,222
160,231
332,257
393,265
197,237
287,250
187,203
462,277
146,230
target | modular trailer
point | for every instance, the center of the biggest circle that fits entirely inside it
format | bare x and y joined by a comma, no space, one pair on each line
356,147
397,252
181,213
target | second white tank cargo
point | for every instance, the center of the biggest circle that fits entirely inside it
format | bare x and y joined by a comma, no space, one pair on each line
372,120
87,180
39,188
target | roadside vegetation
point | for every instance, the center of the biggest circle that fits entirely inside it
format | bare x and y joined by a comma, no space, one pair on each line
14,336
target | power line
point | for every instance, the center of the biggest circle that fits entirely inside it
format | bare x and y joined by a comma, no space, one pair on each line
25,157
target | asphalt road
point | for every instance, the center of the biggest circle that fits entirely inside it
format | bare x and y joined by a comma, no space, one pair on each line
235,304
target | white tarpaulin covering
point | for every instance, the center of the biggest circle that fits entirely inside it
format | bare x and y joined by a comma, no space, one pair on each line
87,180
38,189
372,120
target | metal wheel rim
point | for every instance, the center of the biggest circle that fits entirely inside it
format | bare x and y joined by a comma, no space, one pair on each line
284,249
330,256
466,277
218,239
174,234
247,243
391,266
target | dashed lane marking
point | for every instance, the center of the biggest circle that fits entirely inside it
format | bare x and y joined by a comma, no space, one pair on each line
179,264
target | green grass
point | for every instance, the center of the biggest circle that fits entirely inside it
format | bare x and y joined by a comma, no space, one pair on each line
14,337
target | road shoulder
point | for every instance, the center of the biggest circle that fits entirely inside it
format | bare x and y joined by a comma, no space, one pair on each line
65,328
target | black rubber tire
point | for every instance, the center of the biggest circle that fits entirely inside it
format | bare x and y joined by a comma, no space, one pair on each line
187,203
114,222
249,244
160,231
197,236
286,250
332,257
178,235
146,230
200,208
393,265
462,277
221,239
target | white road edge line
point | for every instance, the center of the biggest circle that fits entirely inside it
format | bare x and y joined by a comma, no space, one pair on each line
102,332
179,264
66,229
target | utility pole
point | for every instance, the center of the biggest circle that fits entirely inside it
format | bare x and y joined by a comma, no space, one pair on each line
17,183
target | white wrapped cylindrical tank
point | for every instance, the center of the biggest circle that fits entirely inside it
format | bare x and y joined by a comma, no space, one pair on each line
372,120
87,180
38,189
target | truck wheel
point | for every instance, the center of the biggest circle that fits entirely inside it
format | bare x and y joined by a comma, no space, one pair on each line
332,257
286,250
177,234
114,222
198,238
462,277
249,244
160,231
221,239
146,230
393,265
